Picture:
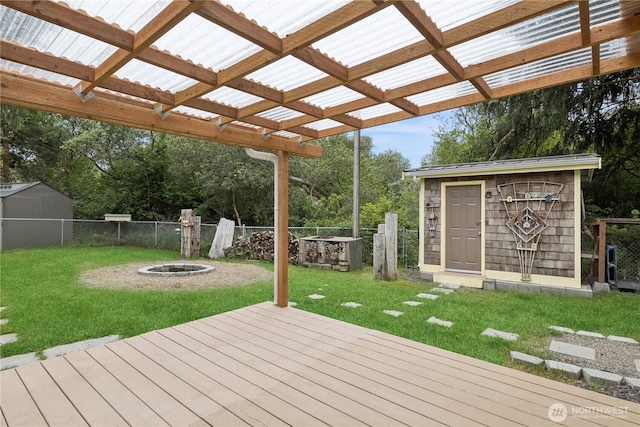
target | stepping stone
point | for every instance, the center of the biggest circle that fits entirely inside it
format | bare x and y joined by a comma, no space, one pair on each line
2,308
427,296
393,313
573,350
8,338
18,360
79,345
633,382
509,336
316,296
622,339
412,303
442,290
565,369
562,329
351,304
601,377
590,334
450,286
637,363
292,304
4,321
440,322
525,359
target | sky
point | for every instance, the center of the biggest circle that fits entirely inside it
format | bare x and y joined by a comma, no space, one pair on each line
413,138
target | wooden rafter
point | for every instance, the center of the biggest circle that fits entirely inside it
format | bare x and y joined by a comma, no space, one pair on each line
436,43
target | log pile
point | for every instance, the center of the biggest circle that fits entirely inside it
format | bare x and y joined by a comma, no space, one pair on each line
259,246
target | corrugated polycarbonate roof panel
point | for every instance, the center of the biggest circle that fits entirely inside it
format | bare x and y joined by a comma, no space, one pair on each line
540,68
332,97
447,15
613,49
195,112
375,111
323,124
37,73
374,36
128,15
150,75
235,98
443,93
284,17
45,37
601,11
202,42
408,73
280,113
287,74
542,29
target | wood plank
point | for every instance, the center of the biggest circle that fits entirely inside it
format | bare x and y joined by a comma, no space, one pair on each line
159,401
3,420
529,387
451,394
360,390
218,355
16,403
217,392
282,277
292,373
186,350
185,394
302,344
93,408
128,405
51,401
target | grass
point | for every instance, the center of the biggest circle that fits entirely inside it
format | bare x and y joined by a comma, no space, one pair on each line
48,306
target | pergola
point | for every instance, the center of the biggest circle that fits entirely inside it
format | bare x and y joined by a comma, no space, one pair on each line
274,75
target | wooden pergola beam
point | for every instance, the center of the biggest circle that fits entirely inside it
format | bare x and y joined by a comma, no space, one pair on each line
31,93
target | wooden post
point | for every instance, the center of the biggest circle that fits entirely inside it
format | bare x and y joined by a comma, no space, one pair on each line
283,230
379,270
600,230
391,244
189,234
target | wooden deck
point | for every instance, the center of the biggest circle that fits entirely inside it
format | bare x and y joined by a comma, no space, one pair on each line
264,365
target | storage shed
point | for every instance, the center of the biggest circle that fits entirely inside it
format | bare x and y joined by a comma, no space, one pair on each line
510,224
31,215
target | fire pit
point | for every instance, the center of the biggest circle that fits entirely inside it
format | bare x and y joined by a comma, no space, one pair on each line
176,269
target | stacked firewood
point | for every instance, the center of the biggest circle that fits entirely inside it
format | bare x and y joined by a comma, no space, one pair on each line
259,246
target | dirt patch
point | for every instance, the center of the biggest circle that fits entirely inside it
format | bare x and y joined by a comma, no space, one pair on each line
126,276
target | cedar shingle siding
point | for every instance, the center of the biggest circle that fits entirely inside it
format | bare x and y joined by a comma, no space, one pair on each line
555,255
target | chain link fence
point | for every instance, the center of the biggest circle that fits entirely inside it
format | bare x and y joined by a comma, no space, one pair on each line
27,233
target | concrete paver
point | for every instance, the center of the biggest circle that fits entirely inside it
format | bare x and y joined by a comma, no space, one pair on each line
8,338
509,336
436,321
633,382
590,334
427,296
601,377
442,290
525,359
622,339
572,350
18,360
563,329
80,345
565,369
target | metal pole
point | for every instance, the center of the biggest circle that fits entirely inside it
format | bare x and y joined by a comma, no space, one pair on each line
356,183
62,234
155,240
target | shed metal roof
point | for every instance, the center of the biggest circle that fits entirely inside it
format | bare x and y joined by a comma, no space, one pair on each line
10,189
273,75
497,167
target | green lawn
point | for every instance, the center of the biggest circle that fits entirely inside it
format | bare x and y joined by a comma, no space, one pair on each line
48,306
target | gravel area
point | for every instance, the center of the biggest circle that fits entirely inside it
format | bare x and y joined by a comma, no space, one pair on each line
126,276
611,356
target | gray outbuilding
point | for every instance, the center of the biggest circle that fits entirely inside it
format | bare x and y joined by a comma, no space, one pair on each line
31,215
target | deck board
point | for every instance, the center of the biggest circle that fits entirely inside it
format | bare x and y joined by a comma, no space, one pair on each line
270,366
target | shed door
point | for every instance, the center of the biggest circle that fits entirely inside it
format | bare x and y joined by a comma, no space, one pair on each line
463,228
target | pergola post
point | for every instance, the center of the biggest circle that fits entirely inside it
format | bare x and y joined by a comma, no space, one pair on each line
282,294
